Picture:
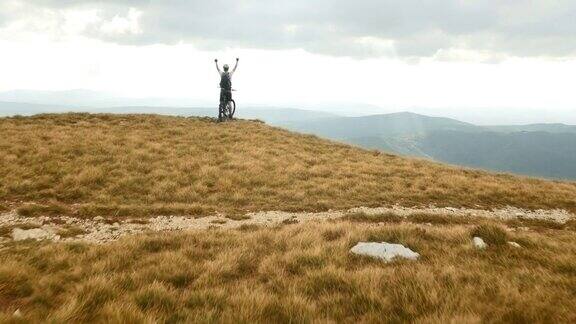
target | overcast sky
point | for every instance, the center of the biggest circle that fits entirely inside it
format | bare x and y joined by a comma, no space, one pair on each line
409,53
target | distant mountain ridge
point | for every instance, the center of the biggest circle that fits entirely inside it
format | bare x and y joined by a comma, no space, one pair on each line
544,154
544,150
551,128
394,124
475,115
272,115
17,108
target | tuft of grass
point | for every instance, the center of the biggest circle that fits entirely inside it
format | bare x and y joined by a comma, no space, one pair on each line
90,210
491,234
88,301
76,247
328,283
378,218
238,217
332,234
155,298
300,262
290,221
148,165
218,221
207,299
439,219
138,221
14,284
248,227
70,231
541,224
158,244
570,225
52,209
181,280
418,218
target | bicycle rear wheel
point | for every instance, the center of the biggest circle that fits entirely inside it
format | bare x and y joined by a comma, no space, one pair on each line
231,108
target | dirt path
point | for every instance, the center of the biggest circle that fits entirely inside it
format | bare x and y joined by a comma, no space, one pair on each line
101,230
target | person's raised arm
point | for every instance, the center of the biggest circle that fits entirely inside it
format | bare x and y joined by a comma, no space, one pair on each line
235,66
217,67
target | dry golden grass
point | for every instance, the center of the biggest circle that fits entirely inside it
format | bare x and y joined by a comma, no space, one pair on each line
295,273
418,218
70,231
122,165
116,165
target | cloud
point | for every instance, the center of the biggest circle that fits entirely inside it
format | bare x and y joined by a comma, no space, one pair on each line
360,28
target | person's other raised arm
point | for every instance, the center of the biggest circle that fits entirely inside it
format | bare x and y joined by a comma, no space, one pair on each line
235,66
217,67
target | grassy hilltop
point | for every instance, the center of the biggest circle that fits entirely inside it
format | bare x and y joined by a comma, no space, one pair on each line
147,165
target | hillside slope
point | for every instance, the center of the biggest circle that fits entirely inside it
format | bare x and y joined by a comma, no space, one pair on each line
146,164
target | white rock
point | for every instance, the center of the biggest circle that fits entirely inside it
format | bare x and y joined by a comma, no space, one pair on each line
514,244
35,234
479,243
98,218
384,251
17,313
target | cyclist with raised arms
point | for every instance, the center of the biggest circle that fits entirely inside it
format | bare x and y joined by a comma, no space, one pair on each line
225,85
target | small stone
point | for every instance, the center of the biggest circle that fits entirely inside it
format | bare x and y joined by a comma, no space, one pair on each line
384,251
479,243
98,218
514,244
17,313
35,234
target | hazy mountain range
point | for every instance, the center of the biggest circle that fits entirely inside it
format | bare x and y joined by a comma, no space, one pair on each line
544,150
272,115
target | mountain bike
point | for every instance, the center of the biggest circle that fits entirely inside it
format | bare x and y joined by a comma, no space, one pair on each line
229,108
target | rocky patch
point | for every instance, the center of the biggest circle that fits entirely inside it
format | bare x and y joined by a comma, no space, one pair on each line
101,230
